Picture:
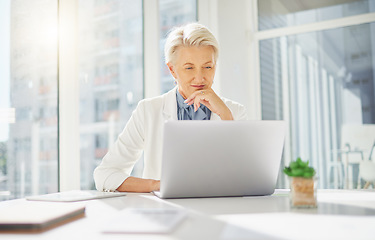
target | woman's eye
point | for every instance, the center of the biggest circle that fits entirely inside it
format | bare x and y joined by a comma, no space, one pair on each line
208,67
188,68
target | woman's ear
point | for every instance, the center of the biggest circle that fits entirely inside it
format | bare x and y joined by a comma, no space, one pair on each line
171,69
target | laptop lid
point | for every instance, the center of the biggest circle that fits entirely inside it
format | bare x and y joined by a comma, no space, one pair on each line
221,158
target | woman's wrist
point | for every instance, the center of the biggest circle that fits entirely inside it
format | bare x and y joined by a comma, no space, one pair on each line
227,115
155,185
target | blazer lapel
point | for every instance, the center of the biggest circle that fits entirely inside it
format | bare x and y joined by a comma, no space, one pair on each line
170,105
214,117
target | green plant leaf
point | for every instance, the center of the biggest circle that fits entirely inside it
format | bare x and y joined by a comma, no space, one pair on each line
299,168
294,165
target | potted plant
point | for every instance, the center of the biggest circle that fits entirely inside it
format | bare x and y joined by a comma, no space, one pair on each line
302,183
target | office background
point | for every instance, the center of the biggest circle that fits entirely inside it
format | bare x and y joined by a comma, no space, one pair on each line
72,71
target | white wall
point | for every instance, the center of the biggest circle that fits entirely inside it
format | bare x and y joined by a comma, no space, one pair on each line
233,25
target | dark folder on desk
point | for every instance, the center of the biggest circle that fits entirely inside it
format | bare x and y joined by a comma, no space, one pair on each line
22,215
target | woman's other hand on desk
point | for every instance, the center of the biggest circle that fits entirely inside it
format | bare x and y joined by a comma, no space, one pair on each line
134,184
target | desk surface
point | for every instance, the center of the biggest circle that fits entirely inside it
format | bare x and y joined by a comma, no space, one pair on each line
341,214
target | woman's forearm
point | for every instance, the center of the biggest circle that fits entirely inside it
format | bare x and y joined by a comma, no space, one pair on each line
227,115
134,184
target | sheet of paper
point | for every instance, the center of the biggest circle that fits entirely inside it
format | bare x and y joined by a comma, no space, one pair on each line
75,195
145,220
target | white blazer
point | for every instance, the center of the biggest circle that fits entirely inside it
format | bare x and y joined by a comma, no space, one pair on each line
143,133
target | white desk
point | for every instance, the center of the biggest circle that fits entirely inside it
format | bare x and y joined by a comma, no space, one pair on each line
341,214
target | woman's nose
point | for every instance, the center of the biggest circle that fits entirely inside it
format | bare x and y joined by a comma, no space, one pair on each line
199,75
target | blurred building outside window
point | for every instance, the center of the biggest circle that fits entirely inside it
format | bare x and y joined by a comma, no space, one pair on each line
321,82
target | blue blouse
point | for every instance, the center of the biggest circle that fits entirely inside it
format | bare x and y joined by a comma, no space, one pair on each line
186,112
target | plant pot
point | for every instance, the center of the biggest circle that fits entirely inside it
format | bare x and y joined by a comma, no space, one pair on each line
303,192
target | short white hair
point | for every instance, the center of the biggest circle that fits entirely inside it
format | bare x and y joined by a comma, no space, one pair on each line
192,34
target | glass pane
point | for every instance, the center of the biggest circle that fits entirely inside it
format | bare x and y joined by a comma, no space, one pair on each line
173,13
283,13
28,98
110,73
330,78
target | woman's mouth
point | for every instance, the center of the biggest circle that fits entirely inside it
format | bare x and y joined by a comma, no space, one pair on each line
198,86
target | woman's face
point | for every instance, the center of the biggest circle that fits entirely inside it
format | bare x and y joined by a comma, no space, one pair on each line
193,68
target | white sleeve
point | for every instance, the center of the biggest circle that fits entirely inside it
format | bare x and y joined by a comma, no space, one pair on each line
118,163
241,113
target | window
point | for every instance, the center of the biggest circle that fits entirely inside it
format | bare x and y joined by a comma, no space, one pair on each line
322,83
110,74
173,13
283,13
28,98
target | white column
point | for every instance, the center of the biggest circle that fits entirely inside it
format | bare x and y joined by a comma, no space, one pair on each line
235,26
151,48
69,150
208,16
35,150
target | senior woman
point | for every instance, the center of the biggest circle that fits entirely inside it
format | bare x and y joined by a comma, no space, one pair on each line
191,53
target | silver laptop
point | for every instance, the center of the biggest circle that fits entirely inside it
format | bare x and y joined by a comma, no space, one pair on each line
220,158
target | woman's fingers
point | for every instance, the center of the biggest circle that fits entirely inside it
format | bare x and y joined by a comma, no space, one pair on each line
191,98
209,98
212,101
197,98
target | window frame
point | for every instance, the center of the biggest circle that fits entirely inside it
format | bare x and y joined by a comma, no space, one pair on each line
68,97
